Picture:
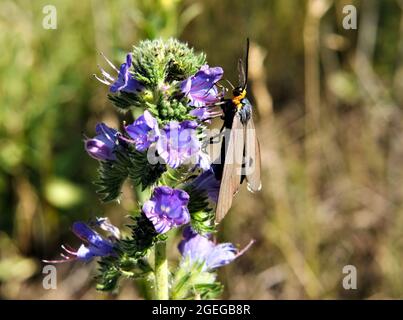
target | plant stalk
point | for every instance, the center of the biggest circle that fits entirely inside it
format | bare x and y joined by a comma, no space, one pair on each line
161,272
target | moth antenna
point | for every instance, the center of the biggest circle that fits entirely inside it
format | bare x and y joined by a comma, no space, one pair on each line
246,64
229,82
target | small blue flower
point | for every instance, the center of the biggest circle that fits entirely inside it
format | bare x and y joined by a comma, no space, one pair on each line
125,81
94,245
144,131
200,88
167,208
198,248
178,144
207,182
101,147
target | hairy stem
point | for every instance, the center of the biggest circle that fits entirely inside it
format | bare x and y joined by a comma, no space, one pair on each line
161,272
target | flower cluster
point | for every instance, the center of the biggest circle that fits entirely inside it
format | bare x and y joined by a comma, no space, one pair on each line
161,149
176,143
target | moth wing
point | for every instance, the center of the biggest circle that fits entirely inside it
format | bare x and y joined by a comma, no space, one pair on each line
252,161
231,177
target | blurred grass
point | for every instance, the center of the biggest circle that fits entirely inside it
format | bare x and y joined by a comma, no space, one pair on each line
328,109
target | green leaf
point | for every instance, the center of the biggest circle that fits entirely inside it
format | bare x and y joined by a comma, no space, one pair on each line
203,221
111,175
109,274
125,100
202,215
190,281
143,237
141,172
131,164
131,255
209,291
198,199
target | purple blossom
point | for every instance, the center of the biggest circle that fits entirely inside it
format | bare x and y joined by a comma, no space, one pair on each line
198,248
94,245
101,147
207,182
178,144
167,208
125,81
200,88
144,131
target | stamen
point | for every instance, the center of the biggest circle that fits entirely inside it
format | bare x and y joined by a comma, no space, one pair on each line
105,74
246,248
69,251
70,247
216,104
102,80
110,63
58,261
64,256
126,139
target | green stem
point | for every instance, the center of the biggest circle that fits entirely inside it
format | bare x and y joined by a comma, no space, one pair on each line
161,272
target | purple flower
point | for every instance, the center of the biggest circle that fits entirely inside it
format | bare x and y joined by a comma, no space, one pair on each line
201,88
101,147
125,80
198,248
167,208
94,245
178,144
207,182
144,131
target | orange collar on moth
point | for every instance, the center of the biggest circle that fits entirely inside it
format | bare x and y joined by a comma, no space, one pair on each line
237,99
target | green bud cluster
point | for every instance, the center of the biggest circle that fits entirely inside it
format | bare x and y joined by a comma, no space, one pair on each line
161,66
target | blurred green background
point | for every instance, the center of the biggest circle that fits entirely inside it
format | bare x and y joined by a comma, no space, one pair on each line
328,107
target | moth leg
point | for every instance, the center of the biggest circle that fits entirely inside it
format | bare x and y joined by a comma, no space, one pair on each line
218,135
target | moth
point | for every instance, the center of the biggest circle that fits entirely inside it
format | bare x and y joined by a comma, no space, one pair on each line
240,149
